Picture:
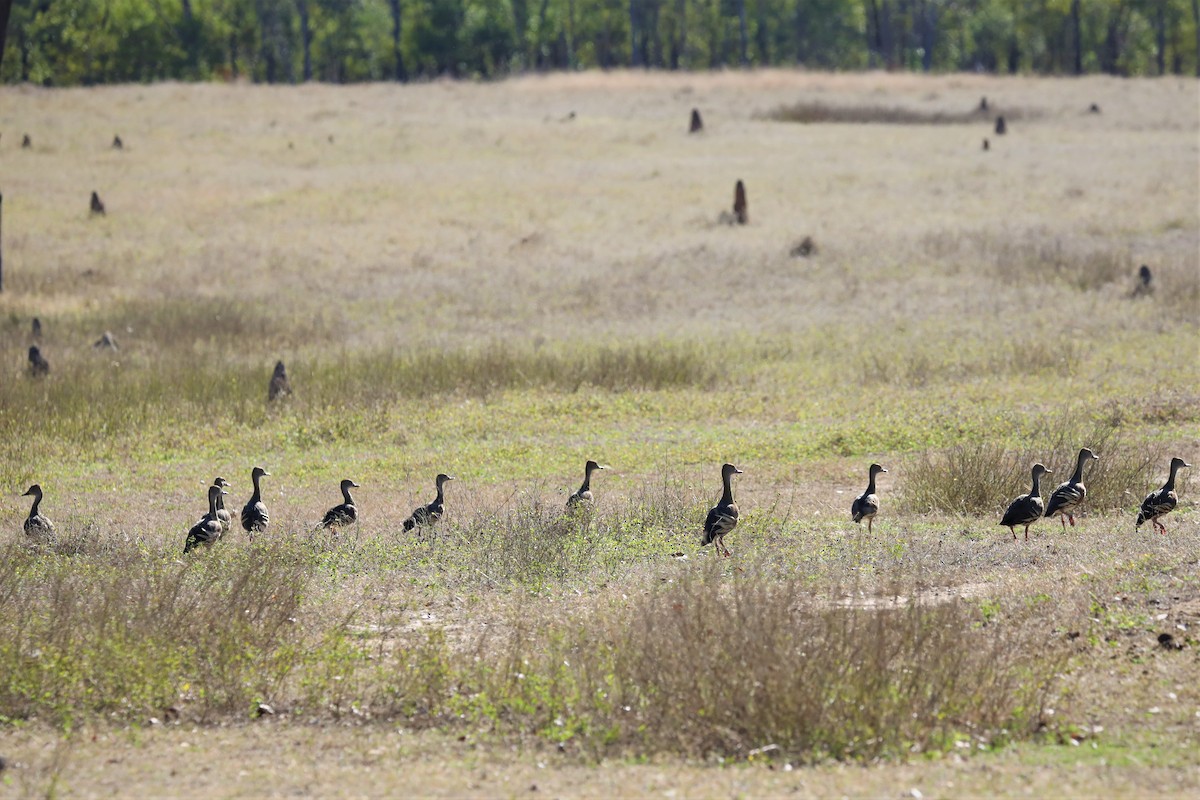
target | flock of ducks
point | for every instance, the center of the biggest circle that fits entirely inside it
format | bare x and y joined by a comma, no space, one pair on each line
721,519
1029,508
719,523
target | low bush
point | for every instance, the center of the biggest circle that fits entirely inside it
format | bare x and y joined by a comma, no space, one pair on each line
984,477
707,665
138,635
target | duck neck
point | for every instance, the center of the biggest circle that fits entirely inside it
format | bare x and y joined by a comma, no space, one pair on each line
1077,476
1036,491
213,497
220,502
1169,486
346,496
727,495
37,501
871,483
438,499
257,496
586,486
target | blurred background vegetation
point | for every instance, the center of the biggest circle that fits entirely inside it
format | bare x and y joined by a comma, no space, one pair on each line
83,42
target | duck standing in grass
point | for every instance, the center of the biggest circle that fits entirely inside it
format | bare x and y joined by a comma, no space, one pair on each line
430,514
223,515
1027,508
1163,501
866,505
254,513
583,499
723,517
1067,497
208,530
38,526
344,514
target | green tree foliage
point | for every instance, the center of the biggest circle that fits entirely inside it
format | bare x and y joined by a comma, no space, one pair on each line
73,42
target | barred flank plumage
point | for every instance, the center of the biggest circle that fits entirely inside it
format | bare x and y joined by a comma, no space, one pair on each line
1068,496
38,527
723,517
429,514
1026,509
1163,501
208,530
583,498
345,513
866,505
254,514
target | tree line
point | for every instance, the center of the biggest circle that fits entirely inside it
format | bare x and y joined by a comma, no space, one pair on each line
83,42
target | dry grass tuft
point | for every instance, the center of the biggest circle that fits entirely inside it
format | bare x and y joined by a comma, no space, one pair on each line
130,633
713,666
983,477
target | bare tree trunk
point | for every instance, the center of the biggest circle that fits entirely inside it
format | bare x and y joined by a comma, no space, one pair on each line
1014,43
1114,41
744,37
189,34
305,38
5,9
682,46
929,24
1077,35
2,219
267,52
762,35
881,43
541,32
1196,17
634,56
570,34
801,31
521,21
651,43
1160,37
401,73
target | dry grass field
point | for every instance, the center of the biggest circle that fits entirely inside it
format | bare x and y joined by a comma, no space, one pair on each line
501,281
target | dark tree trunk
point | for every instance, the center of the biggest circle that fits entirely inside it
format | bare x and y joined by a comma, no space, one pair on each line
570,34
1196,18
880,24
190,35
1114,42
541,28
1077,37
651,49
801,39
5,10
1160,37
762,34
401,74
521,21
634,55
745,40
929,25
267,52
1014,43
305,38
681,42
2,225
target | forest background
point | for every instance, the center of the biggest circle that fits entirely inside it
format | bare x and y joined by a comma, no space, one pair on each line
86,42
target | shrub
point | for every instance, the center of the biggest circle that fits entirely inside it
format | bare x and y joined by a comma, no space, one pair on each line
984,477
136,635
709,665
